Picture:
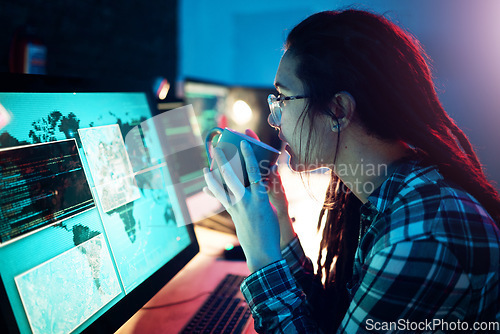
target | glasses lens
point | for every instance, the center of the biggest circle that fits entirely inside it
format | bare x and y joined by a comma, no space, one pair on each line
274,106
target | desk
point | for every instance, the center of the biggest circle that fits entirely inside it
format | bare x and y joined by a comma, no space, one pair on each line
201,274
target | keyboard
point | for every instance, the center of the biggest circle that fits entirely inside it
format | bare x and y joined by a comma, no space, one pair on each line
223,312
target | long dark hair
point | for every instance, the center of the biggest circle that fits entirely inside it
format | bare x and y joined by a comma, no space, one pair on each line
385,69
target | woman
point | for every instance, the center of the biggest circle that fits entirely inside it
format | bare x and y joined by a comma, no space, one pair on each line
408,246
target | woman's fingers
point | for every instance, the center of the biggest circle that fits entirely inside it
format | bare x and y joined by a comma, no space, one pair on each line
275,190
231,190
228,175
215,188
251,133
208,192
253,170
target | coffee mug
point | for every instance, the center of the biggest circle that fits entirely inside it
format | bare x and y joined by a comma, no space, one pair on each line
229,141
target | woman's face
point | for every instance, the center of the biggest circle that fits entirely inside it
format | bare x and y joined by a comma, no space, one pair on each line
293,130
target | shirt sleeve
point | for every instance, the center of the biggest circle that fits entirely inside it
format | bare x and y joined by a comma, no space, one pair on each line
321,302
420,280
300,265
306,306
276,302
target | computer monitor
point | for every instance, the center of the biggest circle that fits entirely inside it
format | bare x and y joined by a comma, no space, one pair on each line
91,223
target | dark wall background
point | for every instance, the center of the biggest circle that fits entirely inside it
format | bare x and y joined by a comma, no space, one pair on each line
113,41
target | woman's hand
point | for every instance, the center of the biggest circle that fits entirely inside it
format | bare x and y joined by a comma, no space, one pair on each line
278,200
255,219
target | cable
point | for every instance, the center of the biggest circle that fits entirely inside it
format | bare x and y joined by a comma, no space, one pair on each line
179,302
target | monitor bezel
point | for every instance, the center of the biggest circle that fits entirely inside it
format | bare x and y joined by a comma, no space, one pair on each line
124,309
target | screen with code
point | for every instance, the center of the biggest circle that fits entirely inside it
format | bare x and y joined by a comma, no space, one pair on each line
41,185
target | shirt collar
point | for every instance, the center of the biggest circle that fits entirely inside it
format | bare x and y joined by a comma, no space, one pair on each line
384,195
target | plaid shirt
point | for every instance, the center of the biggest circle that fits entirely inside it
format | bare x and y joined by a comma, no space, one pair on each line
430,252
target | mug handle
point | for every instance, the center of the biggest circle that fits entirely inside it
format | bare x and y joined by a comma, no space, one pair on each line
208,141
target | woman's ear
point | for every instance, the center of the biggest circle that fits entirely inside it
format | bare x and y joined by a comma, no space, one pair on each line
343,106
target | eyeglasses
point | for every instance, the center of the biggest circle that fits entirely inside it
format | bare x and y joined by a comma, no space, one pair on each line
276,106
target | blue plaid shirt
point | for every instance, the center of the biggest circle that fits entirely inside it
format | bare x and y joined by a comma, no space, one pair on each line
428,262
